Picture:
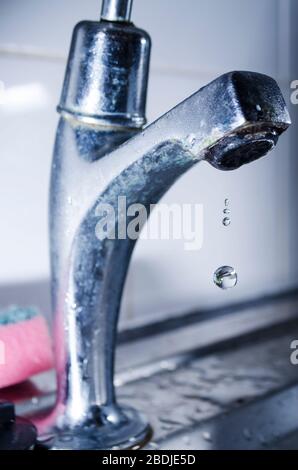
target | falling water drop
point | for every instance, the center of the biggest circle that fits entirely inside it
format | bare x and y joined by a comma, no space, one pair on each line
226,211
227,202
226,221
225,277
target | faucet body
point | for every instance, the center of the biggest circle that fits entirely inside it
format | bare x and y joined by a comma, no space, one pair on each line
102,153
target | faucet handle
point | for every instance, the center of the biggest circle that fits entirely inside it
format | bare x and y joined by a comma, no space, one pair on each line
107,73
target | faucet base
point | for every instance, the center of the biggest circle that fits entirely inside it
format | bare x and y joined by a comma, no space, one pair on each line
133,433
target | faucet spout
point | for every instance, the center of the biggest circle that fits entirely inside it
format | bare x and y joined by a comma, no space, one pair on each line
101,155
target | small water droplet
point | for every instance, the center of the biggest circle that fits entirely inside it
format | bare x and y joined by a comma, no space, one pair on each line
191,139
226,221
225,277
258,108
226,211
227,202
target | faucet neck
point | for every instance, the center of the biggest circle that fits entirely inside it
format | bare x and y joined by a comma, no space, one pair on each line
116,10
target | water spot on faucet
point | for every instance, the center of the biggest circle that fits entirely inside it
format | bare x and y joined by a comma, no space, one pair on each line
191,140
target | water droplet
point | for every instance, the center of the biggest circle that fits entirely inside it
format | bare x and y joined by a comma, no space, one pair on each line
226,221
258,108
191,139
225,277
227,202
226,211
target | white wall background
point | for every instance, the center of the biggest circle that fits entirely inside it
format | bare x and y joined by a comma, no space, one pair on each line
193,42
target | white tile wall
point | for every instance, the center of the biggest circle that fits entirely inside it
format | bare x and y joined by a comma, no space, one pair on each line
193,41
28,122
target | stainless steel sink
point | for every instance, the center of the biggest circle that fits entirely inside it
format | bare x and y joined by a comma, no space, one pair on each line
208,380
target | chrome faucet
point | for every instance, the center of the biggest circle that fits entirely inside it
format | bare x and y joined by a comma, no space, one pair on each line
102,152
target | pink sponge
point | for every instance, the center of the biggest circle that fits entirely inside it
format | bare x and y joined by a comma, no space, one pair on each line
25,345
